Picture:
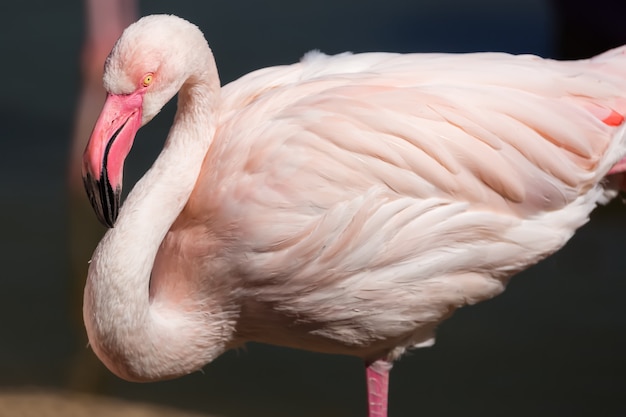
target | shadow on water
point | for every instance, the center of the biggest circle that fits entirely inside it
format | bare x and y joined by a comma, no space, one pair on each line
552,345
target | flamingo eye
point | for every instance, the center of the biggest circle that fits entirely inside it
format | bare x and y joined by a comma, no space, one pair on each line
147,80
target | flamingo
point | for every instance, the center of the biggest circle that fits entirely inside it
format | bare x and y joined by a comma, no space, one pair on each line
344,204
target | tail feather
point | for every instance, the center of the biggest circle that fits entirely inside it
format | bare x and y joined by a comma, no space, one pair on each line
614,62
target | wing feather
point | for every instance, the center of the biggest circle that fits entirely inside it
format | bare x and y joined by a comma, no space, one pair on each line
508,135
348,175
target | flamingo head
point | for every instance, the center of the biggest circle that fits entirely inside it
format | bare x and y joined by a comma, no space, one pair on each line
148,65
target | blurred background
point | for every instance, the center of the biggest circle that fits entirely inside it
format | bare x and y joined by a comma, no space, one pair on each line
552,345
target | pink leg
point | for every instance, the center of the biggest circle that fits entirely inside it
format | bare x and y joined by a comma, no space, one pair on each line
377,387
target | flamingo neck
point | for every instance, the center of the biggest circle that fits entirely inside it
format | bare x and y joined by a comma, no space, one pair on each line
138,339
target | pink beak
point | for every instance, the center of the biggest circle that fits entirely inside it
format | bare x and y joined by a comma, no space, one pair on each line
110,143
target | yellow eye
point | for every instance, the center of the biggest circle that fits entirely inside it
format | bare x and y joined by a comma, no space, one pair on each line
147,80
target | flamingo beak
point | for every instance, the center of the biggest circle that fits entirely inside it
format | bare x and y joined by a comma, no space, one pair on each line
108,147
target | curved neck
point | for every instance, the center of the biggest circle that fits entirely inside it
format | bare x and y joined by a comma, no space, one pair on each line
137,339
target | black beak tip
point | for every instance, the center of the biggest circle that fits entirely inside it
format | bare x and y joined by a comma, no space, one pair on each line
104,200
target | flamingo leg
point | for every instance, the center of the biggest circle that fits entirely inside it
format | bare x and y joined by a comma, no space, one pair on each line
377,374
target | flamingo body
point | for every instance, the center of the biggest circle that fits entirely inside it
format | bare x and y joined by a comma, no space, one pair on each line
344,204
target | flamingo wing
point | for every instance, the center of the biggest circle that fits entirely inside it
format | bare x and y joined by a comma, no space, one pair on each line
354,185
